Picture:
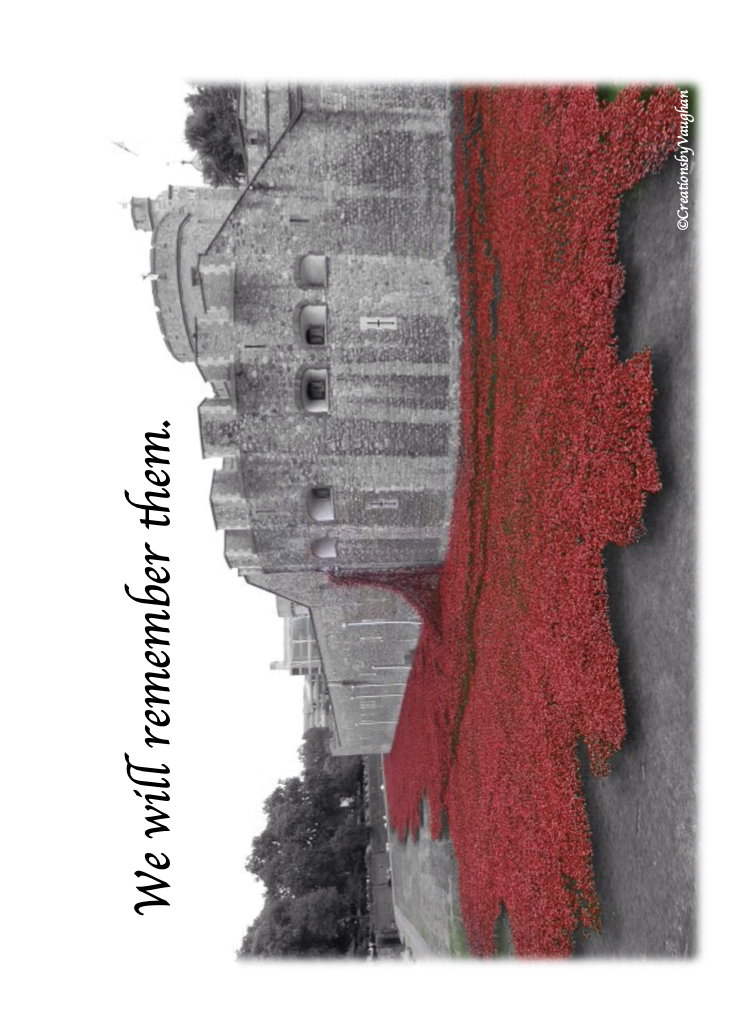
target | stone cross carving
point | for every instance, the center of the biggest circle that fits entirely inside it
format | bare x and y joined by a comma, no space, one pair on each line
378,323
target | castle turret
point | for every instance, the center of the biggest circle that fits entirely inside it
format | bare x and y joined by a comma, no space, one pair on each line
141,214
182,222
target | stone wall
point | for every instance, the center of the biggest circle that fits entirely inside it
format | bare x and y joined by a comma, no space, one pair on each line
361,178
364,180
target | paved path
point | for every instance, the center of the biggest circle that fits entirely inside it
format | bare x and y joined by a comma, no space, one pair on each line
424,886
415,945
643,816
424,889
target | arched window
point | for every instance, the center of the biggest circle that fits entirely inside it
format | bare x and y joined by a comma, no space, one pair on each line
312,325
311,271
324,547
321,504
314,390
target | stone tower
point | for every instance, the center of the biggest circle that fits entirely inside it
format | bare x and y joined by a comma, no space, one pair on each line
321,303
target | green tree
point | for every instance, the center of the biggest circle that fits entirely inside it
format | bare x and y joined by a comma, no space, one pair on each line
212,129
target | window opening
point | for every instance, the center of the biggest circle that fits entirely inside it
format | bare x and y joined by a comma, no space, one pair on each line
312,271
314,391
312,324
321,504
324,547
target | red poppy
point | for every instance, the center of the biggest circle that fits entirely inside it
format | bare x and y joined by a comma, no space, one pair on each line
520,663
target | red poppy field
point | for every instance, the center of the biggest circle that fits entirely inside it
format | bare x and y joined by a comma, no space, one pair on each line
516,664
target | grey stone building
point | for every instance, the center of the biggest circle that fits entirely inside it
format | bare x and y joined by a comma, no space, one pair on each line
303,658
321,303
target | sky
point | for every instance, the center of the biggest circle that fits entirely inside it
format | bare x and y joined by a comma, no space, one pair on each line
235,632
87,374
236,724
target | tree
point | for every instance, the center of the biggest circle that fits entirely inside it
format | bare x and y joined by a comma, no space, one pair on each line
310,858
317,924
312,837
212,129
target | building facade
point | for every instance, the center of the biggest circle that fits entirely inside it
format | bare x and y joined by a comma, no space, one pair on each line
321,304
